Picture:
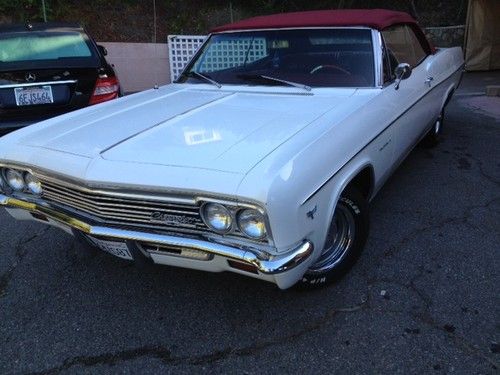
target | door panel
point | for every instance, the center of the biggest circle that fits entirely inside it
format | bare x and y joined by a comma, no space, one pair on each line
415,109
416,104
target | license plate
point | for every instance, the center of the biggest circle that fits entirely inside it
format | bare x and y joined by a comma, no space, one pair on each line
33,95
118,249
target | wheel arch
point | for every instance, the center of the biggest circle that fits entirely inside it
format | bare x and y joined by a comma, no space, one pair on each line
360,176
447,97
363,181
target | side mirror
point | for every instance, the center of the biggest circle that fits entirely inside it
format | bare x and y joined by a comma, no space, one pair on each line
401,72
102,50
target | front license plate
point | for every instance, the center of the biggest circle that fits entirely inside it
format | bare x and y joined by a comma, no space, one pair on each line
118,249
33,95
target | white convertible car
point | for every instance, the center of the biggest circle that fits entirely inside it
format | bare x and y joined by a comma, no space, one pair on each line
260,159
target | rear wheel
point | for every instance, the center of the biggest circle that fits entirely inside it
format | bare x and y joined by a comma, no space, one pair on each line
435,134
345,241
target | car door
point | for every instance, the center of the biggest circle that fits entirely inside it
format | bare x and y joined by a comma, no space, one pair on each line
415,109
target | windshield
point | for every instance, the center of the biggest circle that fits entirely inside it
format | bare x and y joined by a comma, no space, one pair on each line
44,46
312,57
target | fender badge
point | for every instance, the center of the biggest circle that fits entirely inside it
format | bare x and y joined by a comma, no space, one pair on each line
310,214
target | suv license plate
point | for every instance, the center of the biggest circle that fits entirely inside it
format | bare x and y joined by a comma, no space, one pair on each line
118,249
33,95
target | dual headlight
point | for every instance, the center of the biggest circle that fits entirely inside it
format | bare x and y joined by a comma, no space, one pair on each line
222,220
20,181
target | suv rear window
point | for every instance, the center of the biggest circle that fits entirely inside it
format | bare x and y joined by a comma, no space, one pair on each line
45,46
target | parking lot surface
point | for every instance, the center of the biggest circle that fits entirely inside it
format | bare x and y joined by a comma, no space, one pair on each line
422,299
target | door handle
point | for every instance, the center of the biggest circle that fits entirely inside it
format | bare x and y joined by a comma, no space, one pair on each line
429,81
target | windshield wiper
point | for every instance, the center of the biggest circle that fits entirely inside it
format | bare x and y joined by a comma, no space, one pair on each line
194,74
274,79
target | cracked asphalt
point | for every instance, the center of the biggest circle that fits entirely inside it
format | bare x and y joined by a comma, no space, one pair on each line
423,298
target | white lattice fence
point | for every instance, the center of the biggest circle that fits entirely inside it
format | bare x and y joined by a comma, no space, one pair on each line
180,50
227,54
222,54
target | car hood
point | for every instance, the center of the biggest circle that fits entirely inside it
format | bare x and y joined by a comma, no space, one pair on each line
225,130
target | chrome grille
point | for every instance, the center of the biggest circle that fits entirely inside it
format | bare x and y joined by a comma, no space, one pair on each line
123,211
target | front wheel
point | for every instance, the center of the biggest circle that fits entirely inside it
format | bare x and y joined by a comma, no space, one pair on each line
345,241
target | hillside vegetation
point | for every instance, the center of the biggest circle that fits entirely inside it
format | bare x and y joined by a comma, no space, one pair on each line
133,20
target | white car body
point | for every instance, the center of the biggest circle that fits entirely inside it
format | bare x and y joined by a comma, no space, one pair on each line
284,150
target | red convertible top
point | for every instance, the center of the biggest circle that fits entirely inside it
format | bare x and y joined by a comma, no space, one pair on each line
375,18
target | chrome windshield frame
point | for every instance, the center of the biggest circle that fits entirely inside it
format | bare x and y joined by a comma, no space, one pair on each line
378,49
375,36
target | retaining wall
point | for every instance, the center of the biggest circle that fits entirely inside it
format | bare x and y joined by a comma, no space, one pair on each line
139,66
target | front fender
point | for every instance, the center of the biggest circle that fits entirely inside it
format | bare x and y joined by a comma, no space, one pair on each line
324,201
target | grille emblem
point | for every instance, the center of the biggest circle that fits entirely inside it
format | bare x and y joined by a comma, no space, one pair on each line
30,77
169,219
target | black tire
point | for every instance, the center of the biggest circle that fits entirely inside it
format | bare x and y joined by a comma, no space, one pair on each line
345,242
435,135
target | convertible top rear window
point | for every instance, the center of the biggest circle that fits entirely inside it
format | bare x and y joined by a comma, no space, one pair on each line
338,57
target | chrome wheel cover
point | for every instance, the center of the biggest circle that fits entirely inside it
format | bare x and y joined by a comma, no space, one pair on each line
339,240
437,126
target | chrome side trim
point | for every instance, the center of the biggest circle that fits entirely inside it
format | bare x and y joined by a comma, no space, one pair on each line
268,265
14,85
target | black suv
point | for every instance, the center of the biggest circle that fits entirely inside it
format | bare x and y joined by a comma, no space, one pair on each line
48,69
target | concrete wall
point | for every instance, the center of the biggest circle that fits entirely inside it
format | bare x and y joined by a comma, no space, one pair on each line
139,66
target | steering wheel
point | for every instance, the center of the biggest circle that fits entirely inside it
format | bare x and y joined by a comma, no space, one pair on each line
329,66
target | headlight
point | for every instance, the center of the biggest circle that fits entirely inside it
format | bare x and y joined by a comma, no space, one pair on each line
15,179
252,223
217,217
33,183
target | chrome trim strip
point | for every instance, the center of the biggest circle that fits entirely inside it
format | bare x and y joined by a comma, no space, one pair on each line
378,58
14,85
270,266
289,28
114,194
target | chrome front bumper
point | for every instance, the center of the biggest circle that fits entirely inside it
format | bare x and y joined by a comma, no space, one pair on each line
266,264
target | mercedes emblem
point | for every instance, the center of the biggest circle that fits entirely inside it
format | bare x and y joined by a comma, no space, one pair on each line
30,77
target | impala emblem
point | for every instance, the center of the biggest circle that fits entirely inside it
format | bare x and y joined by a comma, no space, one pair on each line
168,219
30,77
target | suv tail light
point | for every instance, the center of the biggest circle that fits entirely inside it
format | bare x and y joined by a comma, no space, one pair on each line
106,88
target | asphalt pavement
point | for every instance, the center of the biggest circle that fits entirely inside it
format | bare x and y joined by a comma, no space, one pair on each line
424,298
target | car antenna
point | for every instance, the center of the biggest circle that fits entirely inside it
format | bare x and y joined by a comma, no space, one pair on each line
155,43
